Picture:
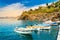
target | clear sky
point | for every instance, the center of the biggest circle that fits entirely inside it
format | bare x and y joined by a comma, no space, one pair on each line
16,7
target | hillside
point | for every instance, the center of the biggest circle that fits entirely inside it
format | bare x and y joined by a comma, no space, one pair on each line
50,12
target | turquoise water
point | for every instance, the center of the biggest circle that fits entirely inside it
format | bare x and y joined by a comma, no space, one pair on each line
7,31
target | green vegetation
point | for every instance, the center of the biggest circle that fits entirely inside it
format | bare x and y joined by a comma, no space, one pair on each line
49,12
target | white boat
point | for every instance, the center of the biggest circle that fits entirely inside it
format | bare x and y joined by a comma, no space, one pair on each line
48,22
58,21
51,23
30,29
23,30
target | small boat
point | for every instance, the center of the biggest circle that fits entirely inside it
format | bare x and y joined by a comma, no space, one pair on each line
58,21
30,29
23,30
48,22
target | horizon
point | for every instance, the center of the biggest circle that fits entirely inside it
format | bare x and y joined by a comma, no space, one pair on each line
14,8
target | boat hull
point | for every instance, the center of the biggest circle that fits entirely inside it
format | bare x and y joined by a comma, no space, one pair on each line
23,32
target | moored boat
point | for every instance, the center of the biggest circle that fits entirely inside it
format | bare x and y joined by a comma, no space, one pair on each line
23,30
30,29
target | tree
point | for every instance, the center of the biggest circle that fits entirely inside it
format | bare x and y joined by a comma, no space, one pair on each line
31,10
47,4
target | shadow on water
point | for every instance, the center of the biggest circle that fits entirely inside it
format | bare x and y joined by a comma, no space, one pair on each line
26,37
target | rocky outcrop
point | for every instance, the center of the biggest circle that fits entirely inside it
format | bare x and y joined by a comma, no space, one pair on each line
41,16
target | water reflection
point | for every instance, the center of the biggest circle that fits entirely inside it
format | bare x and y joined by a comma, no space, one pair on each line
27,37
54,30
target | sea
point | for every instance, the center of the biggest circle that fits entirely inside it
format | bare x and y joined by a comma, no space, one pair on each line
7,32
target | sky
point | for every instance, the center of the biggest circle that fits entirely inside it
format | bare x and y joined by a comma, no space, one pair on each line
13,8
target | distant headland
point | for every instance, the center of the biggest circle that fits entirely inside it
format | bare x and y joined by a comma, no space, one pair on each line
7,17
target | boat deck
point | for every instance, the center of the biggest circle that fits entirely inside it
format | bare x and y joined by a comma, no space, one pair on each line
38,27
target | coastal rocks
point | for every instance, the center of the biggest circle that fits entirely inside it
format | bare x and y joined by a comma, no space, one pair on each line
41,16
